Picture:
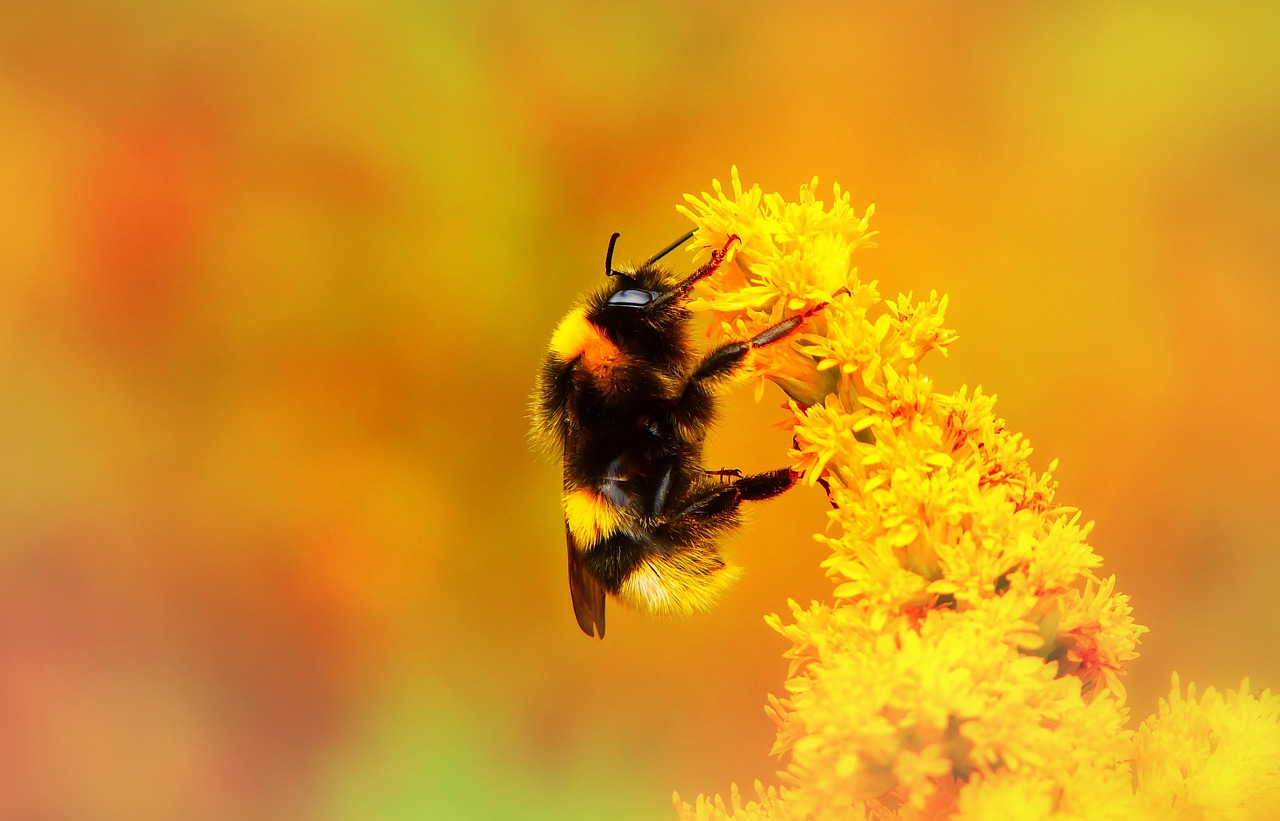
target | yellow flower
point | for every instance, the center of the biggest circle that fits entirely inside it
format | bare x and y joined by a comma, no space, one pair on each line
970,664
1213,757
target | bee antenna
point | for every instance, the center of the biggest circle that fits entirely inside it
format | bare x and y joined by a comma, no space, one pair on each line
608,256
673,246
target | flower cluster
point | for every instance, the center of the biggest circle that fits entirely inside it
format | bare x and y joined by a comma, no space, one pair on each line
970,663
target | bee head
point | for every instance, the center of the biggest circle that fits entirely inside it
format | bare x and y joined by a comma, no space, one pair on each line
636,304
638,300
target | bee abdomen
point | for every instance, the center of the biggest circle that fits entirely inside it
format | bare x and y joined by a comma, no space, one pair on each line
654,579
592,518
683,582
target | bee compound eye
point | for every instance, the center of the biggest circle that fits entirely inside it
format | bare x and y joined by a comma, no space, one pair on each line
632,297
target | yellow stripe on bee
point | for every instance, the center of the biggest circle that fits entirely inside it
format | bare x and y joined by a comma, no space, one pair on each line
678,585
575,337
591,517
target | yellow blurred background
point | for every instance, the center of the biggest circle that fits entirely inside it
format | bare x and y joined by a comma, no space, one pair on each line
276,279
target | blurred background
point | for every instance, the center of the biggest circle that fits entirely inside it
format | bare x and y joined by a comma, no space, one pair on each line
277,277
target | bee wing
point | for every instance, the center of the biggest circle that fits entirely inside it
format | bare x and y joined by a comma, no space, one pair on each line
585,590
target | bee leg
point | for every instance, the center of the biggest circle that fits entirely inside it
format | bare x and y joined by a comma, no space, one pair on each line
758,486
714,503
685,285
725,359
725,473
694,406
720,501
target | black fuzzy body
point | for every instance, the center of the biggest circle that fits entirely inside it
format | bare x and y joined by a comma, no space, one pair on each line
627,403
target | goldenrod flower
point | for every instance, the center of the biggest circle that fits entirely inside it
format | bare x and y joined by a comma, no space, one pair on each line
1213,757
970,663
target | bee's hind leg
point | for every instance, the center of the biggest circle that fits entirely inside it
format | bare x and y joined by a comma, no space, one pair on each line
755,487
677,568
721,501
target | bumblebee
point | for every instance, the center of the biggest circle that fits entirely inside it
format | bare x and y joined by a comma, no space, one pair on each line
627,402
